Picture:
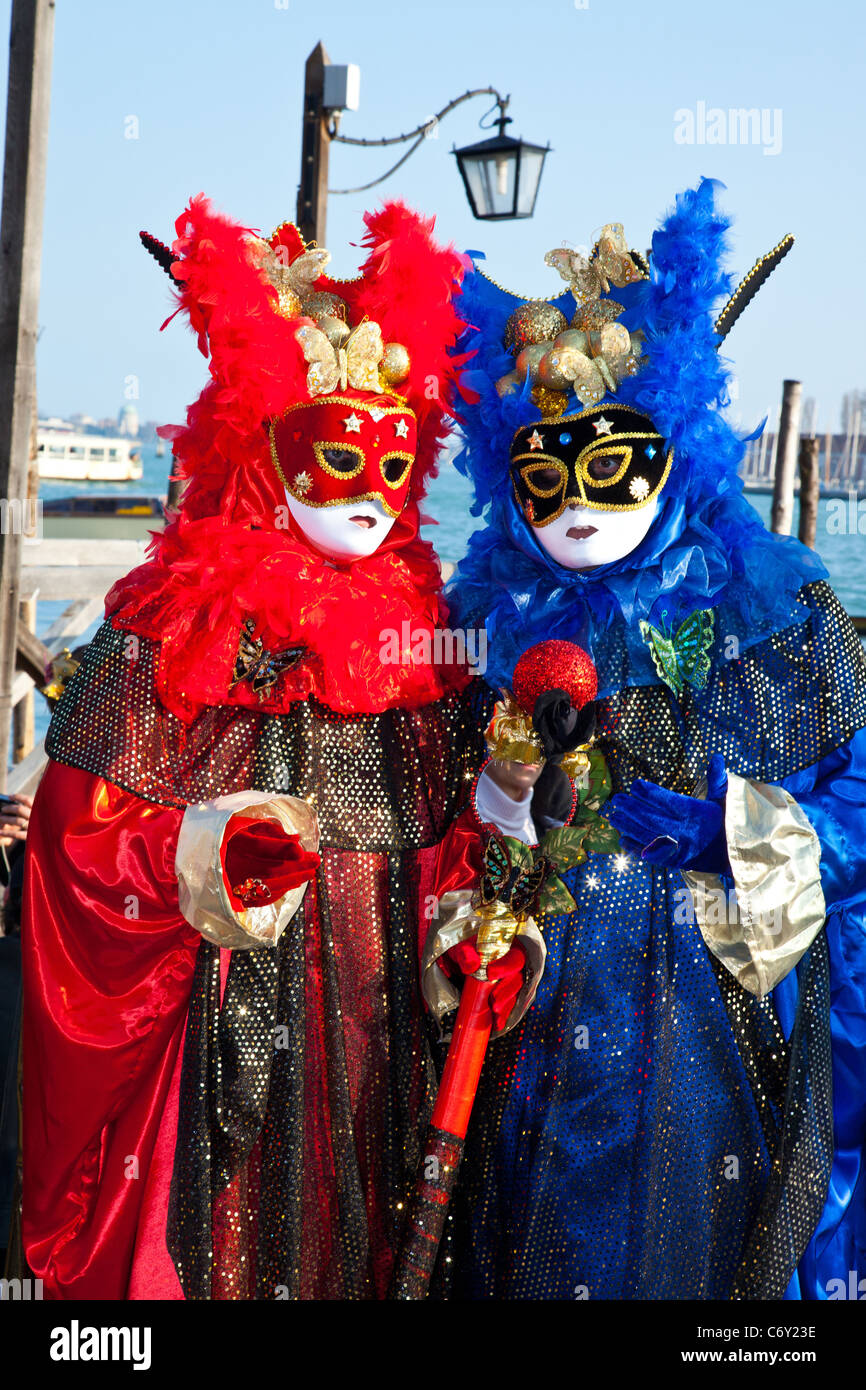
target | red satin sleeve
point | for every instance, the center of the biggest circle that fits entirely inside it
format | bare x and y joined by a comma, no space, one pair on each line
108,964
460,857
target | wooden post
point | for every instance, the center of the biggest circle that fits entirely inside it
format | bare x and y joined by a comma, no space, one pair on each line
787,443
810,490
30,44
175,487
828,456
312,210
24,717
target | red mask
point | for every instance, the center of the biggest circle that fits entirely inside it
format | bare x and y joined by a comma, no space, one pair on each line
344,448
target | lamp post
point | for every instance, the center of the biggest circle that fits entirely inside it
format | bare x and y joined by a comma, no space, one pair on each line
501,175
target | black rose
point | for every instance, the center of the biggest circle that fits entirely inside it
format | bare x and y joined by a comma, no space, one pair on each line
559,725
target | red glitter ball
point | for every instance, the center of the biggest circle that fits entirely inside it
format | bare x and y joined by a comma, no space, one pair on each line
554,666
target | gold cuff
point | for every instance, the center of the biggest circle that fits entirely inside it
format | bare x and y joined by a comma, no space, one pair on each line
201,889
457,921
778,907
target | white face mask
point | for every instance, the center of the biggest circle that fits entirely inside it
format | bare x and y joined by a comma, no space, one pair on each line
347,531
583,537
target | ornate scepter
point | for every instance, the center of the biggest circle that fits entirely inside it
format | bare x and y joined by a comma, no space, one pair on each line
443,1149
556,682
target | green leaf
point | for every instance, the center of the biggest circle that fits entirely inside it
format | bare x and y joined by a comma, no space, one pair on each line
598,783
601,838
565,845
520,854
555,897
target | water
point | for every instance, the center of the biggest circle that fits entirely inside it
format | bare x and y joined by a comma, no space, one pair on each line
842,549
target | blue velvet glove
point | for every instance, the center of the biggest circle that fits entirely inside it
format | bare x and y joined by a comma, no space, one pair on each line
679,832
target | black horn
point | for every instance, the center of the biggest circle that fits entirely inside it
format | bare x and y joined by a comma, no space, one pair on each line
160,252
750,284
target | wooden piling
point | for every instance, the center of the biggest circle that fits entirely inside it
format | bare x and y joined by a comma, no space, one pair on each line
786,458
810,488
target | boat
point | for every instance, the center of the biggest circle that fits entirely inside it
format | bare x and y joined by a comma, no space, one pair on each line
86,457
107,516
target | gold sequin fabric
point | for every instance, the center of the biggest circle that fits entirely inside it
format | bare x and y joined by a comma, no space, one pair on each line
307,1087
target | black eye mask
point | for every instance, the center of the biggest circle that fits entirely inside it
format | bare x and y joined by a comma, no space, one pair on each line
610,457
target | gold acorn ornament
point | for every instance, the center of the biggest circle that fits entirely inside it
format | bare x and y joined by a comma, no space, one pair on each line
529,360
572,338
535,322
395,364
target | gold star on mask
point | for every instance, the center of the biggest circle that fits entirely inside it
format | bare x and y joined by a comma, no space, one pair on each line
535,440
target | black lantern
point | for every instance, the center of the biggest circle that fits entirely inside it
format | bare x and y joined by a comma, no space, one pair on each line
501,175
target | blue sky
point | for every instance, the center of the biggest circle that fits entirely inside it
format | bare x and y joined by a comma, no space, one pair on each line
215,86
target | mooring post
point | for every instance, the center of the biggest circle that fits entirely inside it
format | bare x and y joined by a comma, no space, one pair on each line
810,490
787,444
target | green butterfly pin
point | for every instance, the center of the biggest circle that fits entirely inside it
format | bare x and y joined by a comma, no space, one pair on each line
682,657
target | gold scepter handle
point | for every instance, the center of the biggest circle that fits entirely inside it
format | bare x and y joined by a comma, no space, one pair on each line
496,930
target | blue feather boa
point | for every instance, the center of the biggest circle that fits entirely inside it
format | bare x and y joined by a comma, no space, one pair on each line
707,547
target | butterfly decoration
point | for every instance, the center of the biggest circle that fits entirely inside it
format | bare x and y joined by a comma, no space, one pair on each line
355,364
590,277
517,885
293,282
682,657
262,668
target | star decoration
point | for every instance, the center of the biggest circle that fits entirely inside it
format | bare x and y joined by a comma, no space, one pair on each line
377,413
602,426
351,424
302,482
401,429
638,487
535,440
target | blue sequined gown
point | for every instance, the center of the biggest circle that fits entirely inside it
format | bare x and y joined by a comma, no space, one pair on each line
653,1131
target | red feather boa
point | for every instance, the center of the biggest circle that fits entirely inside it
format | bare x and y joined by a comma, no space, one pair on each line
210,576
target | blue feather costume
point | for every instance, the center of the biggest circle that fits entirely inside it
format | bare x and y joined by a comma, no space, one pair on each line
654,1129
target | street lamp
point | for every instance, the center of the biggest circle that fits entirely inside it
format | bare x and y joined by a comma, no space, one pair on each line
501,175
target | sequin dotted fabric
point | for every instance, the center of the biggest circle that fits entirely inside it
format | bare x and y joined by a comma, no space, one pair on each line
649,1132
306,1090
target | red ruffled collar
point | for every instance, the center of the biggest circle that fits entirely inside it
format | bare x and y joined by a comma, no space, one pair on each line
209,577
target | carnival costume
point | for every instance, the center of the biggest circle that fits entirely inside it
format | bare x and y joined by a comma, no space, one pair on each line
681,1112
227,1067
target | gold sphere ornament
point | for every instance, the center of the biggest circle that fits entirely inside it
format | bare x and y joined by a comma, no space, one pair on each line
288,303
572,338
549,373
550,403
509,383
535,322
322,303
394,367
529,360
335,330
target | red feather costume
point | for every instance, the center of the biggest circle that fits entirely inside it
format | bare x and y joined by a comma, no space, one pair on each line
207,1122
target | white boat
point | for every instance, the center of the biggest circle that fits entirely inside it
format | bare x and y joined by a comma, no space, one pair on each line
86,457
